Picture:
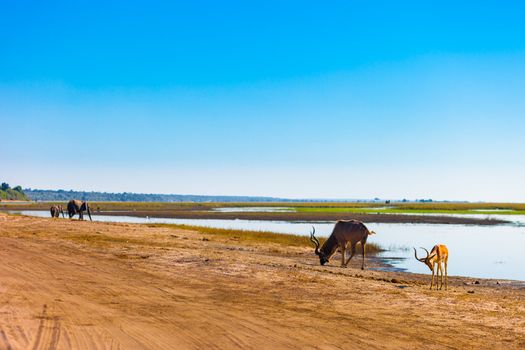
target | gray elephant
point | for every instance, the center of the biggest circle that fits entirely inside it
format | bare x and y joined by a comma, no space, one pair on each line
56,210
76,206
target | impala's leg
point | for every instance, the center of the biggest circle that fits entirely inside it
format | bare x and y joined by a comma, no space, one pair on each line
446,275
437,276
441,268
432,281
436,281
438,268
363,252
352,253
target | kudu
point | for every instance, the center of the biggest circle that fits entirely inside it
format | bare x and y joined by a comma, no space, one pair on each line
438,255
56,210
344,232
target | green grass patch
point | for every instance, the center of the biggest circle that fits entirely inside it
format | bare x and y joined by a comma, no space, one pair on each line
397,210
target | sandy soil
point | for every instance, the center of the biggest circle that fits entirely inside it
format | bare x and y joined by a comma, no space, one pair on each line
90,285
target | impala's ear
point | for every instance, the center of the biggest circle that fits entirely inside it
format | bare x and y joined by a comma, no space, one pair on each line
430,257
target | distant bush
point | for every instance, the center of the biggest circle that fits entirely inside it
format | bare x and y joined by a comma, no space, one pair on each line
8,193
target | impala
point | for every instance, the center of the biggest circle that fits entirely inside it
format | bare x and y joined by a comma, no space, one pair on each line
345,231
438,255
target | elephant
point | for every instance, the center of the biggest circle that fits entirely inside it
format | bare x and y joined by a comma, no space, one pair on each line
56,210
76,206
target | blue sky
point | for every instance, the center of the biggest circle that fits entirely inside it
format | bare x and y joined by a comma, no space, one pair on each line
350,99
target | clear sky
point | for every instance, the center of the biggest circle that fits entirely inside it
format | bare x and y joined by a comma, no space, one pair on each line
327,99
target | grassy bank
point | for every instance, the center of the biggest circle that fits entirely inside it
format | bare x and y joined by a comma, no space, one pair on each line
324,207
365,212
246,236
398,210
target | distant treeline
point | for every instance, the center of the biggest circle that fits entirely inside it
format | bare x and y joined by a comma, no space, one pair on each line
62,195
8,193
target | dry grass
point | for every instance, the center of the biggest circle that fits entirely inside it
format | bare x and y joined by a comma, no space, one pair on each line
245,236
190,206
101,240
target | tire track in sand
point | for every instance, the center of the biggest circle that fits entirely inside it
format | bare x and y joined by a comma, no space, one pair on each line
48,333
3,336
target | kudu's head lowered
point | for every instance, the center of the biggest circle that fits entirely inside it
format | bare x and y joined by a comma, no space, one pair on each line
428,260
323,259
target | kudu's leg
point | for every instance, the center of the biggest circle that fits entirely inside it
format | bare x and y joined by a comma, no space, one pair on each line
351,254
363,252
343,253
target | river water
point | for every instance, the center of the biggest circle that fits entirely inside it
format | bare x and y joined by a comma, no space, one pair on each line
476,251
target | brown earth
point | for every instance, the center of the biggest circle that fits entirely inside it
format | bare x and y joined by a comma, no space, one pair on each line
90,285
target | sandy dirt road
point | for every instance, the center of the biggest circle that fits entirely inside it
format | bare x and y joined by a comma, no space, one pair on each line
87,285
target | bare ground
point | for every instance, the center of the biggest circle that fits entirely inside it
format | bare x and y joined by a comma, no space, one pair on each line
70,284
